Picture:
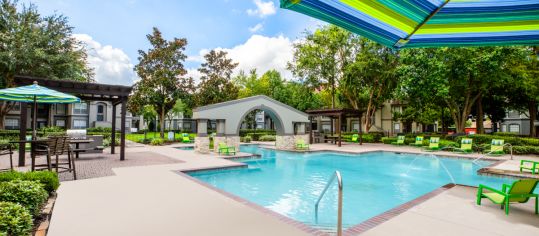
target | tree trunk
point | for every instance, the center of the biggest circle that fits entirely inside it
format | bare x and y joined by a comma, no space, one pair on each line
162,122
532,107
480,116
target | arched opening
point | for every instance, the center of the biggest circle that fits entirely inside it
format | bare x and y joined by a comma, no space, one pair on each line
269,119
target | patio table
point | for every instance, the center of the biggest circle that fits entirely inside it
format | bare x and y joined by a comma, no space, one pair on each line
77,143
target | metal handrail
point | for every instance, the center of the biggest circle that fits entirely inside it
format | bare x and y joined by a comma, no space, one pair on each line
507,144
339,209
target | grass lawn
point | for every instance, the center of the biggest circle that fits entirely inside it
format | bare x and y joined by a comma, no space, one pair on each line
151,135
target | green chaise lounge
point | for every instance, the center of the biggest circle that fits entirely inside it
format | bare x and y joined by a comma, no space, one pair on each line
185,138
418,141
465,146
227,150
519,192
532,166
301,145
355,138
400,140
434,144
496,147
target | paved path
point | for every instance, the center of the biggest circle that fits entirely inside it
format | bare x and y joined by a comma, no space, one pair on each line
154,200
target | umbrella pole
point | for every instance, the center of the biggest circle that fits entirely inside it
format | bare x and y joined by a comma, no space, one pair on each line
34,128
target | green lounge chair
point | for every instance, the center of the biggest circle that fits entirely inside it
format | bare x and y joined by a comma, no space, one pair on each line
400,140
434,144
185,138
532,166
418,141
301,145
227,150
520,191
465,146
496,147
355,138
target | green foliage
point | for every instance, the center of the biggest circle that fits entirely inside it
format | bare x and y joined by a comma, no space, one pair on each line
48,179
29,194
163,77
389,140
267,138
216,85
523,150
52,129
515,141
99,130
246,139
15,220
107,141
157,142
506,134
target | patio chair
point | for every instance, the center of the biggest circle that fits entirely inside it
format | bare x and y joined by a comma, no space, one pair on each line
418,141
55,146
355,138
225,149
301,145
496,147
400,140
434,144
532,166
465,146
519,192
7,149
185,138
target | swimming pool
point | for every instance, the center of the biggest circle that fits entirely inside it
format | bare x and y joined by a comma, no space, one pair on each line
290,183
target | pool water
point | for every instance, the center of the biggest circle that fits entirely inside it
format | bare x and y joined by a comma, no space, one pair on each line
290,183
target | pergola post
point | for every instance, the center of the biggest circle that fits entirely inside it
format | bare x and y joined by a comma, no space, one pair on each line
339,120
360,130
22,132
311,129
122,128
113,135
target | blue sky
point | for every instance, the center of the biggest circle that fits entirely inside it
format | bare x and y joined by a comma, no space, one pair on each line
257,33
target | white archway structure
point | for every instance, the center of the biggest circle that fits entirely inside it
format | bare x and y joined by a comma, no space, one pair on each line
290,123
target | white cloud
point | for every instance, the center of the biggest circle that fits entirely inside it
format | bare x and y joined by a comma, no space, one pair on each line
263,9
111,65
258,52
256,28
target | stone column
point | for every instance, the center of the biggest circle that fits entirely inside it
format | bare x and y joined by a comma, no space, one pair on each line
202,141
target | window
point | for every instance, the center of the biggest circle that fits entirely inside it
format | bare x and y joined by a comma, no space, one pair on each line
79,124
12,123
514,128
514,114
60,123
397,128
504,128
187,126
61,109
101,112
16,106
355,126
80,108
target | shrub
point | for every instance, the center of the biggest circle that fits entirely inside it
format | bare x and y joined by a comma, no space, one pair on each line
29,194
48,179
157,142
99,130
447,143
107,141
522,150
267,138
14,219
388,140
510,134
246,139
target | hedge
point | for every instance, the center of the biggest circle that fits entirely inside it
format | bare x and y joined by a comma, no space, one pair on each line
29,194
486,139
48,179
522,150
15,219
267,138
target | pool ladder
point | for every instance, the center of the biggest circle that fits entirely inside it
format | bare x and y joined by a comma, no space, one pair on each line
336,175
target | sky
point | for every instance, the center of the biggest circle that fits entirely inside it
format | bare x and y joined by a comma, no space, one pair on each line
256,33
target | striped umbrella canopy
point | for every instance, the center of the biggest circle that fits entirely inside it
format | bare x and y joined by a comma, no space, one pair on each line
430,23
36,94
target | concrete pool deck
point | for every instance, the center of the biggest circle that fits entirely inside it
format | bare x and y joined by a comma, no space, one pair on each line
154,200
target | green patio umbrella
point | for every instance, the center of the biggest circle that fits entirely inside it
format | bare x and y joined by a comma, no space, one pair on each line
36,94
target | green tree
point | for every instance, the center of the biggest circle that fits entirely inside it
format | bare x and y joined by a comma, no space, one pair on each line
322,58
35,45
162,75
459,77
216,85
148,115
370,79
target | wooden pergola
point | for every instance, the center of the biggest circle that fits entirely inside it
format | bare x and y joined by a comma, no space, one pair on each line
86,91
337,114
